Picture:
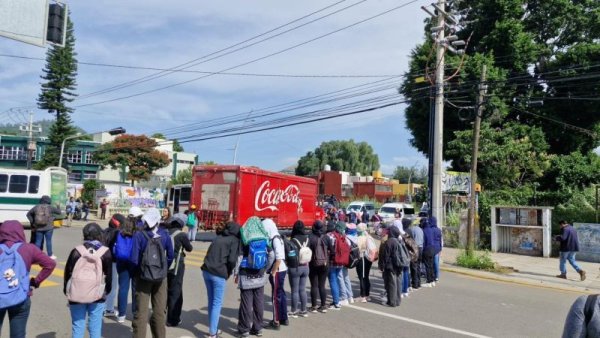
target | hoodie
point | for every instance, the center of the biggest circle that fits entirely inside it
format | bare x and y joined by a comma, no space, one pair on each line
223,252
390,252
298,234
432,236
11,232
277,244
317,234
45,202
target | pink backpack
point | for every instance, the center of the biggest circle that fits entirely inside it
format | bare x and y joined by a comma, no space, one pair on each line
87,281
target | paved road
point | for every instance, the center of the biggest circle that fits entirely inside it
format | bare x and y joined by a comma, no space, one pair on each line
459,307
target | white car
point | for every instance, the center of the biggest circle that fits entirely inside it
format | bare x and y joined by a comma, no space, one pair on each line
361,206
388,211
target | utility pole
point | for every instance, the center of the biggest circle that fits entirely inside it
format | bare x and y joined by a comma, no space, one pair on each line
29,129
476,130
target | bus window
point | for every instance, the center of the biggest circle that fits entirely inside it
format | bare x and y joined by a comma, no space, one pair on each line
185,194
171,193
3,183
18,184
34,184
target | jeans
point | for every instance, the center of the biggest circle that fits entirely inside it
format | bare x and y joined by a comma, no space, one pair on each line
215,289
318,277
78,313
192,233
39,239
405,279
345,285
125,273
363,269
298,277
334,284
110,298
568,256
17,317
278,296
436,266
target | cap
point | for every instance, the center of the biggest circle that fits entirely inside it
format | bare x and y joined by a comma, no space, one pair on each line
151,217
193,207
180,218
135,212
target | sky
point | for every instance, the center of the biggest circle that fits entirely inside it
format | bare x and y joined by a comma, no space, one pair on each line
162,35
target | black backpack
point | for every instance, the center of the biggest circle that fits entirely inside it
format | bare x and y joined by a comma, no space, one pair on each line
354,255
320,256
291,253
153,267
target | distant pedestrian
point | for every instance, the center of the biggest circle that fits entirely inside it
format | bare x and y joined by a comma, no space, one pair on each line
165,217
192,223
103,207
71,208
346,294
277,276
85,209
391,267
366,245
87,280
339,249
110,237
299,273
219,263
125,269
151,253
415,267
569,245
176,273
18,302
41,218
583,319
432,245
440,240
318,267
405,269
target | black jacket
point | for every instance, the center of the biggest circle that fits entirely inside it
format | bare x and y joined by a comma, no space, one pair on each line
110,238
180,241
106,269
317,234
389,258
223,252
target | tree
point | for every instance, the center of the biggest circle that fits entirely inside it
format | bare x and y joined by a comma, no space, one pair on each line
183,176
342,156
137,152
89,188
417,176
57,91
176,145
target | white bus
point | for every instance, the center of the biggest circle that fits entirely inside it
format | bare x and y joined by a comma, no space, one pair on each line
178,199
21,190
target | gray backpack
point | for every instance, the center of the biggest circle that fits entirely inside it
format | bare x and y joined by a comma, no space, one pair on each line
153,267
42,215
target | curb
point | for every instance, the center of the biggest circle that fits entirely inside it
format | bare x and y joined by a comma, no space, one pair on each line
515,280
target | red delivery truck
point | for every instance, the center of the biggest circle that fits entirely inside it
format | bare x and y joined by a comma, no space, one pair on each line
231,192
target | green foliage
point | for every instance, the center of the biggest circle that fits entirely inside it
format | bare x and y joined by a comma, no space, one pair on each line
571,171
89,188
183,176
475,260
341,156
417,176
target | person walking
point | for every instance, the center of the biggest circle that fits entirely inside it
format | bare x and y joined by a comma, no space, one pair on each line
363,268
103,206
152,254
110,237
192,223
181,243
125,269
85,293
317,242
391,267
569,245
277,276
219,263
299,274
415,267
18,303
71,208
41,217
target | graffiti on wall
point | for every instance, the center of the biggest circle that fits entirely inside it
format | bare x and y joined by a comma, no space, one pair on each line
454,181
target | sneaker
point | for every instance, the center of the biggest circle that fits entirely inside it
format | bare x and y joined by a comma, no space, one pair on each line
363,299
427,285
405,295
54,258
313,309
285,322
432,284
121,319
258,333
343,302
110,313
334,307
243,334
303,314
273,326
293,314
582,275
562,275
322,309
351,300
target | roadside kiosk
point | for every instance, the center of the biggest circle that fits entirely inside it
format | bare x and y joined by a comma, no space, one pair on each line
523,230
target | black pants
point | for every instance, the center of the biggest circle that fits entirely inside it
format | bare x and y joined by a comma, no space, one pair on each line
415,271
175,295
428,256
252,306
318,277
363,269
393,286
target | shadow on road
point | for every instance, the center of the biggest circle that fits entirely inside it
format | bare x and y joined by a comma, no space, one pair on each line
47,335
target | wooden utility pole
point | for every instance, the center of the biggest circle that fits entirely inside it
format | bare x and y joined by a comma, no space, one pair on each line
476,130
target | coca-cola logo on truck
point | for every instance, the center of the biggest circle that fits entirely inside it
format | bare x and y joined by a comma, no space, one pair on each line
269,199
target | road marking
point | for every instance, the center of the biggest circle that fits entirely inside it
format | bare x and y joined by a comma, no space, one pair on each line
57,272
48,283
418,322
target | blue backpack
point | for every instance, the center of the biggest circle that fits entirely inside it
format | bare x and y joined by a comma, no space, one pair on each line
122,248
258,255
14,279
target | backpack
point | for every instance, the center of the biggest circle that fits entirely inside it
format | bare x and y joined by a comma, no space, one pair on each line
86,284
14,289
258,255
153,267
305,253
191,220
372,249
402,259
320,258
291,253
174,267
42,215
413,248
122,248
342,250
354,255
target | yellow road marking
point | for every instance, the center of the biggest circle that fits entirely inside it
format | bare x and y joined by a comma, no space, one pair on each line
48,283
57,272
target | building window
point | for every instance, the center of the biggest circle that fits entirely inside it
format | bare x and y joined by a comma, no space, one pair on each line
185,162
76,176
88,175
89,158
13,153
75,156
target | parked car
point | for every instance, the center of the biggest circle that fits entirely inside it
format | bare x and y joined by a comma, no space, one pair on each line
388,211
361,206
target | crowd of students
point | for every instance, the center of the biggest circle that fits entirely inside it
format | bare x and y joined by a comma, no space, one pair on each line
144,253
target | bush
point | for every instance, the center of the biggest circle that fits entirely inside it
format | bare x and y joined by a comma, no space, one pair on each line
481,261
89,188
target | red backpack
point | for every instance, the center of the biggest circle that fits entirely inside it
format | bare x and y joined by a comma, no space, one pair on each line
342,250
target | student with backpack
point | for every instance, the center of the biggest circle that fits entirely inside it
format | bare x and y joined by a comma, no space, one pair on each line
41,218
368,254
122,254
298,270
17,255
87,281
219,263
390,264
251,275
346,294
339,249
180,243
192,223
110,237
277,276
151,254
317,242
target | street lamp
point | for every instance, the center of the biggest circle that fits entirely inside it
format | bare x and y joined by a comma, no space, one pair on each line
114,131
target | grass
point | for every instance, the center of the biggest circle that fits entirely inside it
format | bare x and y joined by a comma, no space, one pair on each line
476,260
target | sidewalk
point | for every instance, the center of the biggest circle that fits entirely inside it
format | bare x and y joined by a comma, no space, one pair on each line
533,271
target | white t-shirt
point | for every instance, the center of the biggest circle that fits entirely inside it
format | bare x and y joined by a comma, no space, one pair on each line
279,250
